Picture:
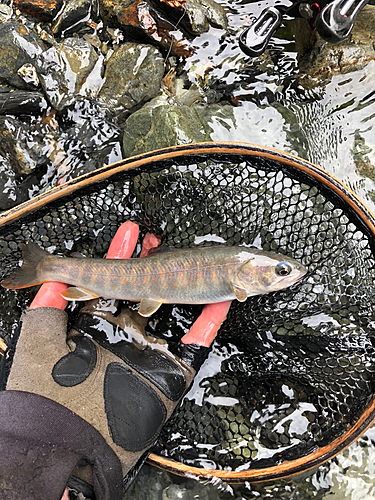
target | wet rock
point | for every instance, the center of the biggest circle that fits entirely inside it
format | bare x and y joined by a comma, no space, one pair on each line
7,185
22,103
121,13
19,45
55,148
30,153
319,60
133,76
165,122
139,18
174,3
28,74
5,13
91,137
196,16
202,13
90,122
161,126
175,91
65,69
42,152
46,35
142,16
95,41
27,146
215,13
45,10
12,192
74,15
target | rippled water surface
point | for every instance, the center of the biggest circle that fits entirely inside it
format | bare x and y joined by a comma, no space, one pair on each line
331,125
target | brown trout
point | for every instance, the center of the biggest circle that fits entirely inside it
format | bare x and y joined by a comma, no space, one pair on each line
200,275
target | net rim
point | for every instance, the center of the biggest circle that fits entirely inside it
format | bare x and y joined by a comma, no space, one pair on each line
282,471
235,148
287,468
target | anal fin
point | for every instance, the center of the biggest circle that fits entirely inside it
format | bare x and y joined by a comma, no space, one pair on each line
148,307
75,293
240,293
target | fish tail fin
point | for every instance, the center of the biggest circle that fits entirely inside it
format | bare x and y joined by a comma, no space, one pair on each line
27,274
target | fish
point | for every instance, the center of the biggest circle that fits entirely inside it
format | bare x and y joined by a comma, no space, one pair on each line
200,275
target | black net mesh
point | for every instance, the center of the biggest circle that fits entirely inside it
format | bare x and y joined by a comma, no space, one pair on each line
291,370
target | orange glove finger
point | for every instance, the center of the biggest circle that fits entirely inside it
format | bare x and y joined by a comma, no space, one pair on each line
121,247
49,296
124,241
206,326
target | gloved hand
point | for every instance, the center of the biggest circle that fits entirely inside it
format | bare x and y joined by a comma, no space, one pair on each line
107,401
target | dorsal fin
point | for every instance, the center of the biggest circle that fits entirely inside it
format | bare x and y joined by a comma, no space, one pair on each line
157,250
77,255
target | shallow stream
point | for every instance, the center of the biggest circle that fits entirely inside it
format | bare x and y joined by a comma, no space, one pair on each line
331,124
327,119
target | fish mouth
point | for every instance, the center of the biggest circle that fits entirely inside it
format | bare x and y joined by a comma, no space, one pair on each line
298,279
294,278
303,271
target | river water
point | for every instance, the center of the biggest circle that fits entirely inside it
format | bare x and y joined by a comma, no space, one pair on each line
331,125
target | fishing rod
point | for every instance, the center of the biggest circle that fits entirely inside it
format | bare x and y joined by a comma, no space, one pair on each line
333,20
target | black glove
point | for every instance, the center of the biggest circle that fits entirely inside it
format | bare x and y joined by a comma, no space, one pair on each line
81,409
123,392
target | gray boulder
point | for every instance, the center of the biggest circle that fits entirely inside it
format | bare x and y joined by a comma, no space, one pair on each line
132,77
318,60
64,69
161,126
19,46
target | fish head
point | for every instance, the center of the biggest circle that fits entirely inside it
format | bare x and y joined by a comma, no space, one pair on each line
268,272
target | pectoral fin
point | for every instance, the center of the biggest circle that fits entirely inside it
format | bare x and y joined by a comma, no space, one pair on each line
75,293
240,293
148,307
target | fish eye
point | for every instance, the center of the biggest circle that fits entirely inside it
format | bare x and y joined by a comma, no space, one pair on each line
283,268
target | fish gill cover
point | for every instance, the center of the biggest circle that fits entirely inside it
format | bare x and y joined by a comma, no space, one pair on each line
290,371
